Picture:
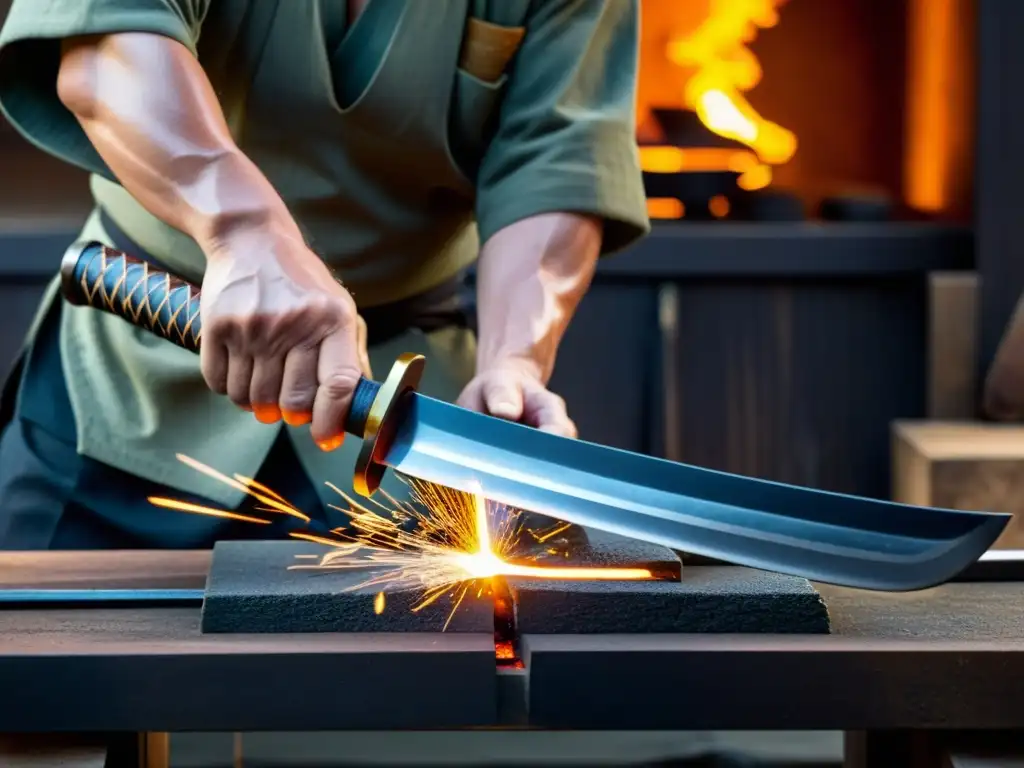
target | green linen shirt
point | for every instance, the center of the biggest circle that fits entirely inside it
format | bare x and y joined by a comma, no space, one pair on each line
395,162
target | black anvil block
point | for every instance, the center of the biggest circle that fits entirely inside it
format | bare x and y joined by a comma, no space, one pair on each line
707,599
251,589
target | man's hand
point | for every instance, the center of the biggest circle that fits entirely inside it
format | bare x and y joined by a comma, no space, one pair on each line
531,276
281,337
512,391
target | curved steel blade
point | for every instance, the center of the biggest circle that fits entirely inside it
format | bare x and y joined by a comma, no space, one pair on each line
823,536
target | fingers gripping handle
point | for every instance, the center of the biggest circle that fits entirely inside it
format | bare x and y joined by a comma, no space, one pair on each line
97,276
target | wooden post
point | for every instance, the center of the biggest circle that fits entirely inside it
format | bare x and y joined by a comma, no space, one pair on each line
952,345
154,750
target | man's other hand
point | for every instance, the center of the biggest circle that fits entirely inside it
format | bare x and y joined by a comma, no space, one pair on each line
512,391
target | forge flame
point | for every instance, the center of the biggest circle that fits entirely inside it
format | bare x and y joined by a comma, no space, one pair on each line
719,68
724,69
442,542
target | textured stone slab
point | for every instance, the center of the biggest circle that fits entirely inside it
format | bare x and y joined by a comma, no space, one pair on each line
250,589
707,599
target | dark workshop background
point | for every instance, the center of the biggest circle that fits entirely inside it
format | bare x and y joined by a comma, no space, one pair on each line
779,341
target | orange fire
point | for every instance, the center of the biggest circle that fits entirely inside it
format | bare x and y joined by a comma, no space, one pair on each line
694,55
451,550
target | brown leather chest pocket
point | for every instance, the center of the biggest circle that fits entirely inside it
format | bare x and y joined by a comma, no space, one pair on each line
484,61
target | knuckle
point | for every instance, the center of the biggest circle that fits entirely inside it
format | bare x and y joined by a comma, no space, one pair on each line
213,374
259,329
238,398
341,383
222,329
215,384
551,400
264,393
341,316
298,399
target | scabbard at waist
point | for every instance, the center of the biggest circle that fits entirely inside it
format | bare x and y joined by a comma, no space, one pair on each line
448,305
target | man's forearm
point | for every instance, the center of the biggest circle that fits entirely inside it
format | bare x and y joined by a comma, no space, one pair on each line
530,280
149,109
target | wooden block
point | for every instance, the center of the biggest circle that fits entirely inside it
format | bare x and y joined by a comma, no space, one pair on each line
952,345
962,465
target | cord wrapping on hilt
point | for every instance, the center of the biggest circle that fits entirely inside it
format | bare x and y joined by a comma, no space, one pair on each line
149,298
362,402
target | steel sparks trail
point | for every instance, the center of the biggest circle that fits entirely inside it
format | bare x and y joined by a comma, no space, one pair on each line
442,542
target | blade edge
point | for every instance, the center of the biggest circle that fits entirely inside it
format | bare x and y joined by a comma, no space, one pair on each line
467,451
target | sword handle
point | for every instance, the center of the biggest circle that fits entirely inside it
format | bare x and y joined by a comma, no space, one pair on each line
104,278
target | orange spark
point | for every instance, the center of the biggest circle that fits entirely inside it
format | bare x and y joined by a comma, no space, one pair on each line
441,541
198,509
250,487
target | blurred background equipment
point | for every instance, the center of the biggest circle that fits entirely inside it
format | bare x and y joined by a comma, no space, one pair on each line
836,191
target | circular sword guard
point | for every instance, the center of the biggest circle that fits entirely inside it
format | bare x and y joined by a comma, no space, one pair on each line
381,422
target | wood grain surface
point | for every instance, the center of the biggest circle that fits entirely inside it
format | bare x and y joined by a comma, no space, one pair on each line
946,657
959,611
134,569
951,657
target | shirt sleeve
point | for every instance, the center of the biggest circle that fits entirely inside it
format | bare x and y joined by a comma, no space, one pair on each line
566,134
30,44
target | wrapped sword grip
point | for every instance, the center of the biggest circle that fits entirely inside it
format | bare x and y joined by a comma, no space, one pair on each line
95,275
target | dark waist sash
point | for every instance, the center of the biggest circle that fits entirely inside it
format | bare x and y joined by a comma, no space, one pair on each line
449,305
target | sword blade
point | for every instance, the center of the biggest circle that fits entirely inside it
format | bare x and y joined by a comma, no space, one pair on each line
819,535
823,536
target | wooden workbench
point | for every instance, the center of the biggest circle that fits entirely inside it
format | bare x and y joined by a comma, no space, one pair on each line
950,658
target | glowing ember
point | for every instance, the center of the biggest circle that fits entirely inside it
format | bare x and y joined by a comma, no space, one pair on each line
442,542
486,563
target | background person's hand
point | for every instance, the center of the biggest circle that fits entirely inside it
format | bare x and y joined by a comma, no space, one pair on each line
514,392
281,336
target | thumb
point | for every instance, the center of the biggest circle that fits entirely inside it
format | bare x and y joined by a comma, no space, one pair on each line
361,342
503,399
